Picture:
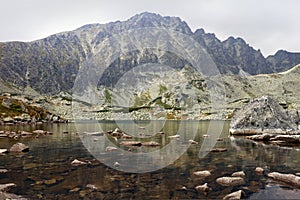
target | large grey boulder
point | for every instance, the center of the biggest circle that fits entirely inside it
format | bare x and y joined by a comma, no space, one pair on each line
262,115
19,147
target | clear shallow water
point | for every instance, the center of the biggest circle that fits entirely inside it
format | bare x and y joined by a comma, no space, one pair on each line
46,172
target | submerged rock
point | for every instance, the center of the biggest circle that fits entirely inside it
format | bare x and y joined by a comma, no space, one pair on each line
5,195
116,164
78,162
131,143
203,188
92,187
219,150
286,178
193,142
234,196
151,144
50,181
6,186
262,137
19,147
239,174
3,171
174,136
287,138
3,151
230,181
202,174
39,132
259,115
110,148
259,170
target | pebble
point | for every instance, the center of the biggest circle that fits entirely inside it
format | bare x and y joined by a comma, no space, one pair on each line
91,187
259,170
203,188
75,189
202,174
131,143
151,143
174,136
50,182
219,150
193,142
110,148
3,151
183,188
78,162
7,185
38,132
116,164
239,174
234,196
3,171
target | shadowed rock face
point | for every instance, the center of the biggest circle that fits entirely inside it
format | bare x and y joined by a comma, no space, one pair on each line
261,114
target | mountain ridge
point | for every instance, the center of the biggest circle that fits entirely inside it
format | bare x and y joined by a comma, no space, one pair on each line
50,65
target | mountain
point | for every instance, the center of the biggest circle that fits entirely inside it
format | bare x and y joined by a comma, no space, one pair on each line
51,65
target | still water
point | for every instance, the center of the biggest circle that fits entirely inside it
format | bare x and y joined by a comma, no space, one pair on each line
143,172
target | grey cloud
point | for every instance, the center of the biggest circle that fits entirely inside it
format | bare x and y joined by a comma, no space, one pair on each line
268,24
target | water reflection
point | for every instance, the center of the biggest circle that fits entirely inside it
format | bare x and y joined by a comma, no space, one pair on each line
46,171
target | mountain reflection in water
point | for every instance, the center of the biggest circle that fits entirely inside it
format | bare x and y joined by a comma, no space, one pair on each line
46,172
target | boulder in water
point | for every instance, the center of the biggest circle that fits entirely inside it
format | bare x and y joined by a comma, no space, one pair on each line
235,195
286,178
230,181
19,147
262,115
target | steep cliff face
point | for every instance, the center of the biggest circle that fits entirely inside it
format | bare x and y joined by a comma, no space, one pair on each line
50,65
283,60
233,55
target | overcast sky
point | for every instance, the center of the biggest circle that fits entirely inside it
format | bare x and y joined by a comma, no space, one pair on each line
268,25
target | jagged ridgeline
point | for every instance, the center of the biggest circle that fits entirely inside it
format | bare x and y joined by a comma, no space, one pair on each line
50,65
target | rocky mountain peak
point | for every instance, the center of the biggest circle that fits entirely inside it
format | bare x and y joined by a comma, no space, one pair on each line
147,19
51,65
283,60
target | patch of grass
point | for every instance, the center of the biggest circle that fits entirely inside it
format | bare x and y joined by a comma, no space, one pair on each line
107,96
66,98
162,89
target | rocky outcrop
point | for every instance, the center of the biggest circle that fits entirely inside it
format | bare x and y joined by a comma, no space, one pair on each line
5,195
262,115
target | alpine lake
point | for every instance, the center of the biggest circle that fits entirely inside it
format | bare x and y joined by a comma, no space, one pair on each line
143,172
